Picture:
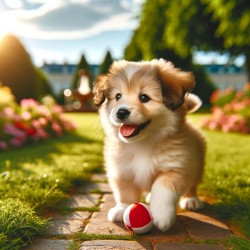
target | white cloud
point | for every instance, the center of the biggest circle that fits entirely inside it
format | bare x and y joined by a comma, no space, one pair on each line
70,19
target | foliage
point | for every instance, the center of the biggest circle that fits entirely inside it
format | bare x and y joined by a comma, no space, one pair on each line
43,86
107,61
29,121
233,19
231,111
16,69
82,65
18,72
153,39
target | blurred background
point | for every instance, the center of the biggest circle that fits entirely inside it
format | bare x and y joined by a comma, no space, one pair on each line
59,47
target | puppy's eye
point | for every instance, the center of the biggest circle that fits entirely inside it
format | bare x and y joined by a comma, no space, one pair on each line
144,98
118,97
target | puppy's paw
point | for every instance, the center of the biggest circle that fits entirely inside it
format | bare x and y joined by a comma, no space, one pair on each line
191,203
116,213
163,217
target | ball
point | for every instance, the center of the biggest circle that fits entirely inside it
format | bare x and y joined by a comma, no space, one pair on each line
137,218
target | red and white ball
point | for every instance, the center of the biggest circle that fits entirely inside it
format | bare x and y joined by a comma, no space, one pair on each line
137,218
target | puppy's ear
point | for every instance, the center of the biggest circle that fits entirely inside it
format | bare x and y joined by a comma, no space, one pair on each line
175,84
100,86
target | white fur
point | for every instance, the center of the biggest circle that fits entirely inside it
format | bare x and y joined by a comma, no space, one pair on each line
191,203
116,213
163,204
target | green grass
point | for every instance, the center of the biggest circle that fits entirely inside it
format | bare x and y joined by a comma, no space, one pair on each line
38,176
227,180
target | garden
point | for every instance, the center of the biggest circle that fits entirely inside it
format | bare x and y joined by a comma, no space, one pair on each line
40,146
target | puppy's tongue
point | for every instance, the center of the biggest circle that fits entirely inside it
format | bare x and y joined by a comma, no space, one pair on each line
127,130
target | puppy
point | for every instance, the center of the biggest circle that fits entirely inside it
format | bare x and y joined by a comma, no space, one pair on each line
149,146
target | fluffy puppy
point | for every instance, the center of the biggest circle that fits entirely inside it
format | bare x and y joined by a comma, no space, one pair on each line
149,146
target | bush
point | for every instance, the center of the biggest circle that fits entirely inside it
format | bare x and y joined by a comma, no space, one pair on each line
30,121
230,111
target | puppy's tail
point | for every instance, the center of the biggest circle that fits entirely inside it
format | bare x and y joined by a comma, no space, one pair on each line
193,103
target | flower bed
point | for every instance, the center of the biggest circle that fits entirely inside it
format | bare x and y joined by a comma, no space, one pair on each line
30,121
230,111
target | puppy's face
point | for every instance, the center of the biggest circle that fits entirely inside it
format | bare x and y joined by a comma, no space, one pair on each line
140,98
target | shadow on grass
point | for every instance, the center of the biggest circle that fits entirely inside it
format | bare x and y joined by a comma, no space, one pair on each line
45,151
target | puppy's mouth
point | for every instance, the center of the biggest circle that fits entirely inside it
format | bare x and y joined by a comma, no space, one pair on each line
131,130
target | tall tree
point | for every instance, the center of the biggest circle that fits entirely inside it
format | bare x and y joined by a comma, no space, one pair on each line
107,61
82,65
221,25
152,39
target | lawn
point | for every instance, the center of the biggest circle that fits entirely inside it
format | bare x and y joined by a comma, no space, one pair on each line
36,177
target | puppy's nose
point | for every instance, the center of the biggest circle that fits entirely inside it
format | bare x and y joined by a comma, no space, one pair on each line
122,113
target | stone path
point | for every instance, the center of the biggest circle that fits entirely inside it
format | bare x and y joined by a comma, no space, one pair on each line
83,225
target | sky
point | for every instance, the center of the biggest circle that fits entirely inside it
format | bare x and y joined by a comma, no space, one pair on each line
61,30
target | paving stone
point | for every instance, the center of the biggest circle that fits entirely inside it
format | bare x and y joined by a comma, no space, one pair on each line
186,246
104,227
47,244
115,245
64,227
177,232
64,224
77,215
108,202
204,227
95,187
82,200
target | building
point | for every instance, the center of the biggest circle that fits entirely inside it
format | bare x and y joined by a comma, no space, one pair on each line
224,76
61,75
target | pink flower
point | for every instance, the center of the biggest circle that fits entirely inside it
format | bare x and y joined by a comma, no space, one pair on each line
57,128
29,103
43,121
26,115
213,125
57,109
17,141
10,129
3,145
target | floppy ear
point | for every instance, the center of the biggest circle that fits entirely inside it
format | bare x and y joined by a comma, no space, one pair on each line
100,86
175,84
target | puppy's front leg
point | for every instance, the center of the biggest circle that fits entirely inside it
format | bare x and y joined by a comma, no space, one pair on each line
165,194
125,193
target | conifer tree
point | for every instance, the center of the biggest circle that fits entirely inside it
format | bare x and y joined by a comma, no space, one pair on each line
82,65
107,61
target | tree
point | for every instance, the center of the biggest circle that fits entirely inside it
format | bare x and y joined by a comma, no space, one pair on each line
233,17
107,61
152,40
43,86
18,72
221,25
16,68
82,65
